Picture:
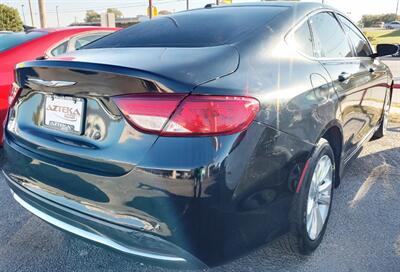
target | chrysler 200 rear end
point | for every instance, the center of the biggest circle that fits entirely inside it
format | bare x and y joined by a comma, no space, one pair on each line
199,136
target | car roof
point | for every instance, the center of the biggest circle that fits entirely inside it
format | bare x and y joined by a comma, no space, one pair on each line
292,4
280,3
299,8
289,14
61,29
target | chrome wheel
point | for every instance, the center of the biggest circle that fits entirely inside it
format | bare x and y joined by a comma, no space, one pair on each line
319,197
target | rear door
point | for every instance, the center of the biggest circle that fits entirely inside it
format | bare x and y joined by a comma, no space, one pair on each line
373,69
349,76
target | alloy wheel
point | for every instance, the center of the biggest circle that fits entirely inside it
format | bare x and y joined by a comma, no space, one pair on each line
319,197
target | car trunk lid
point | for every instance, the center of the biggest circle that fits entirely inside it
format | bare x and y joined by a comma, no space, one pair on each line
90,78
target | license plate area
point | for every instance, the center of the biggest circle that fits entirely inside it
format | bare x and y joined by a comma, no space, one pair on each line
64,113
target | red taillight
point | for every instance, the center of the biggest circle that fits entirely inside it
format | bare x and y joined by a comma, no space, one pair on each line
148,112
175,115
13,95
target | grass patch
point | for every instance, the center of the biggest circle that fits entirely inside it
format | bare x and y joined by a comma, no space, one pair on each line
377,36
392,33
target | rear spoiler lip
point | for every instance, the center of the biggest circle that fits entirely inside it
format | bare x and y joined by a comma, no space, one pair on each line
105,68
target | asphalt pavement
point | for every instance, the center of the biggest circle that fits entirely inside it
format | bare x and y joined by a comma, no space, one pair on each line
363,232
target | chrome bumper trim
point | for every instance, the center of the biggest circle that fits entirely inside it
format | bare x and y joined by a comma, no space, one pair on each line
94,237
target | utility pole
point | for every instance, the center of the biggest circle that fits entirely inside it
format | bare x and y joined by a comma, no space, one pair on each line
397,9
23,13
58,19
150,9
42,13
217,2
187,4
30,10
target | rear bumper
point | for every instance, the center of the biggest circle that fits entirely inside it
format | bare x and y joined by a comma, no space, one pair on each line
134,243
205,200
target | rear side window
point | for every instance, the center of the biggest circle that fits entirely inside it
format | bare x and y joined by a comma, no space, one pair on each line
82,41
329,39
9,41
61,49
356,37
196,28
301,39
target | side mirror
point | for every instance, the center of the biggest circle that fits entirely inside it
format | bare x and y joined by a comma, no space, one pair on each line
386,50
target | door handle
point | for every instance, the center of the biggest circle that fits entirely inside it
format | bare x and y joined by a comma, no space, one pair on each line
344,76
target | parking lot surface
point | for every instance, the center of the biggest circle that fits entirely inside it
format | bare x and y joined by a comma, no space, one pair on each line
363,233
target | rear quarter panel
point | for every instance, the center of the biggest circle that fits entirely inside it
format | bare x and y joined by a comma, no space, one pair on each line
296,94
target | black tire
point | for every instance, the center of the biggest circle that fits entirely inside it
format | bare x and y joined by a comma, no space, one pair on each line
381,132
298,240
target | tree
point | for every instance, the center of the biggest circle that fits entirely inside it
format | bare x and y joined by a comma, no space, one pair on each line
9,19
371,20
92,16
117,12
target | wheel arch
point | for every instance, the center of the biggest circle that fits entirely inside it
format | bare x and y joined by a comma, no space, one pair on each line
333,133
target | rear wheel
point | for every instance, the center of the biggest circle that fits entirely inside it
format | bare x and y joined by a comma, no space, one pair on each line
319,197
312,205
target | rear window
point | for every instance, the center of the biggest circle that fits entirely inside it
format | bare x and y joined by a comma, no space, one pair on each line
9,41
197,28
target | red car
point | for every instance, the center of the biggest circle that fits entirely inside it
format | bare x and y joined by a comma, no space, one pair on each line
24,46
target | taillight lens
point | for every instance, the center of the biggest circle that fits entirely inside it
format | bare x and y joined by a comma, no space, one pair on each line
13,95
148,112
193,115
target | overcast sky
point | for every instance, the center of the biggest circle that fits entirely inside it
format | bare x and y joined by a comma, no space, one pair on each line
69,10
